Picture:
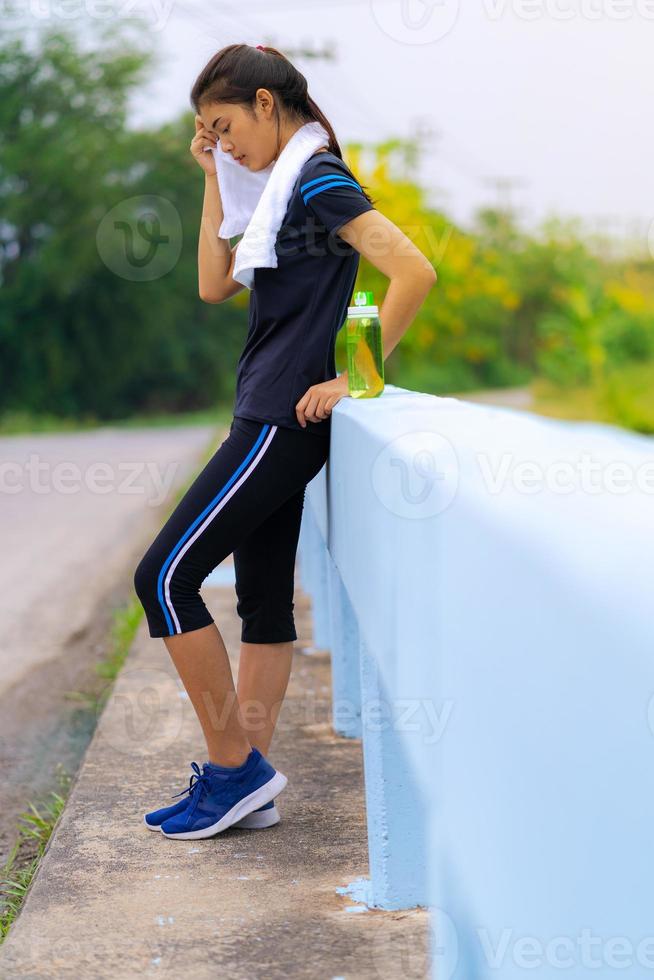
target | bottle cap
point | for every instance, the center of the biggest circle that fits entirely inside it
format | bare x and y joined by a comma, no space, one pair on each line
363,304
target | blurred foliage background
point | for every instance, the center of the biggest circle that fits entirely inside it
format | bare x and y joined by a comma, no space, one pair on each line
91,331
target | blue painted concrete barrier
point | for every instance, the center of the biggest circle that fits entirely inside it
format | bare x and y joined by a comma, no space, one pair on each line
483,578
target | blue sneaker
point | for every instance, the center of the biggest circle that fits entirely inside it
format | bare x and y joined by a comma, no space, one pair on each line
155,818
222,796
265,816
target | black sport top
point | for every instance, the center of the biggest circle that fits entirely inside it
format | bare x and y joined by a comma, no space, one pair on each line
297,309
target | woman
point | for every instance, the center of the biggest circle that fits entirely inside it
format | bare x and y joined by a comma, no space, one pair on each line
248,499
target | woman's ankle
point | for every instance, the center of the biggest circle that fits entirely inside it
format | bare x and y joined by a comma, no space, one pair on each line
231,759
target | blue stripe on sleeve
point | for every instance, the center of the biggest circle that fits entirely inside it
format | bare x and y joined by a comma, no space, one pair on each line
335,182
318,180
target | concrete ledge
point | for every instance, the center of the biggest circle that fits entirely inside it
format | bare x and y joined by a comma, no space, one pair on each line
113,899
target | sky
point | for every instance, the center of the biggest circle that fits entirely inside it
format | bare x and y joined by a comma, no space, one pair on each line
554,95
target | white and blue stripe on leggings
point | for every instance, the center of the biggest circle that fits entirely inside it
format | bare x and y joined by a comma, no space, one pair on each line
200,523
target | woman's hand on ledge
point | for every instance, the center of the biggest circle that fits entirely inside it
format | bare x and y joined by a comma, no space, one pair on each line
317,402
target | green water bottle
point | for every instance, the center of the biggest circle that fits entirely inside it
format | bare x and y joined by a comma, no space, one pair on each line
363,343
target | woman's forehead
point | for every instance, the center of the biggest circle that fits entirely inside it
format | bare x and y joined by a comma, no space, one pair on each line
215,112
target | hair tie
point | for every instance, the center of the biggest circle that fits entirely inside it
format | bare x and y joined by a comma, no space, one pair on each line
260,47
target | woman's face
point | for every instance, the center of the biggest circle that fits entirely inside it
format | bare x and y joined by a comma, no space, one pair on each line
241,135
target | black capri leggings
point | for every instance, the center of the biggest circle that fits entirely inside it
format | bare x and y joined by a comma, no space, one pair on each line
248,500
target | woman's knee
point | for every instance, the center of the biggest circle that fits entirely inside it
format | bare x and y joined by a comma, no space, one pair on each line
158,579
170,606
139,578
145,577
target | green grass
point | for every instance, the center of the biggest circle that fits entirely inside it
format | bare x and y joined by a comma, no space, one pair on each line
36,825
123,629
624,397
20,423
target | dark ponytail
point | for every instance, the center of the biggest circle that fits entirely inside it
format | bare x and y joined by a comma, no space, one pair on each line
235,73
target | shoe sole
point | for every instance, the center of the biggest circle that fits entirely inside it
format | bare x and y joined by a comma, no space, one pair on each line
251,821
259,821
251,802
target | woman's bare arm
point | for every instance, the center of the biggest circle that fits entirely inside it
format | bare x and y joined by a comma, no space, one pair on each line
215,255
411,275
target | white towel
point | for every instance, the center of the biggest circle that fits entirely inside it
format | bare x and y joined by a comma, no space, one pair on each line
254,203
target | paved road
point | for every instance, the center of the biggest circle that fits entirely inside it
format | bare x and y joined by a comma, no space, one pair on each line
504,397
72,506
